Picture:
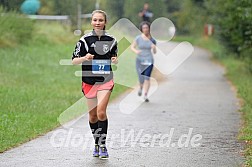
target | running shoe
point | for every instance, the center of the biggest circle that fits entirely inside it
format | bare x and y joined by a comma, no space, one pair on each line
103,154
146,99
139,92
96,151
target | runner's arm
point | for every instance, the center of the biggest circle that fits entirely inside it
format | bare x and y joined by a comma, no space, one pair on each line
154,48
114,52
79,60
80,54
133,48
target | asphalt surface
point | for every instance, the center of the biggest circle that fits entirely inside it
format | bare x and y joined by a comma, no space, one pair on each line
191,120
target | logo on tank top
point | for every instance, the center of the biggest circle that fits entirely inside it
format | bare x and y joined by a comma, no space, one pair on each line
105,48
93,45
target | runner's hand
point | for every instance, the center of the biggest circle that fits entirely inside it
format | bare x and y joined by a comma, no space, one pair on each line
138,52
114,60
89,57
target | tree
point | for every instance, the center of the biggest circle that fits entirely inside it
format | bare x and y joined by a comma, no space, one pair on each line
191,18
115,9
172,6
234,19
132,8
11,4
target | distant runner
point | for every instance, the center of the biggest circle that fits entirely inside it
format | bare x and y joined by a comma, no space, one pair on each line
143,46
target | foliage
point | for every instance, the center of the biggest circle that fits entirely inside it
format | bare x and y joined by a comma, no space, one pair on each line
131,11
190,19
172,6
14,28
11,5
234,21
115,9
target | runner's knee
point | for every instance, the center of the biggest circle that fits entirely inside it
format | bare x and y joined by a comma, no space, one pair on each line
93,118
102,115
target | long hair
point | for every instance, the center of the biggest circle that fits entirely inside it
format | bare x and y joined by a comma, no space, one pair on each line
103,13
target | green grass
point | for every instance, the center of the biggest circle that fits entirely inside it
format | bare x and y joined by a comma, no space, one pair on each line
238,73
35,89
15,28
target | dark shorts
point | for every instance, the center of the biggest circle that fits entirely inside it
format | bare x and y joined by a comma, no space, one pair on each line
143,71
147,70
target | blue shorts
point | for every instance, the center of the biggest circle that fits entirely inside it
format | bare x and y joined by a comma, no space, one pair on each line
143,71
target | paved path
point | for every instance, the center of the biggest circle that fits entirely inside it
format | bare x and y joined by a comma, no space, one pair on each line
196,100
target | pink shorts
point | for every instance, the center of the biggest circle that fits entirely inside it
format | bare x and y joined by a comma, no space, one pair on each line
90,91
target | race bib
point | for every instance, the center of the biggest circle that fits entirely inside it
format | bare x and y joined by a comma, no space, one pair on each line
101,66
146,62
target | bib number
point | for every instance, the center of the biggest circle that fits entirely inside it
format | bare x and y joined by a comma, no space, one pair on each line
101,66
146,62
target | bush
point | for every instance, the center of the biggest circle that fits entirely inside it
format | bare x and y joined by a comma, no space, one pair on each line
190,19
234,19
15,28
